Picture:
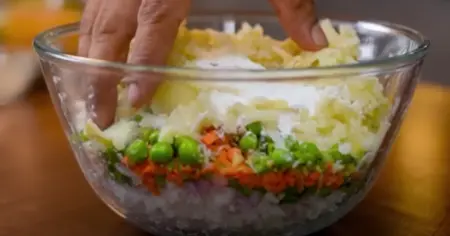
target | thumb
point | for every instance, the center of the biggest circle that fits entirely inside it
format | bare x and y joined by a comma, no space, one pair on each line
299,20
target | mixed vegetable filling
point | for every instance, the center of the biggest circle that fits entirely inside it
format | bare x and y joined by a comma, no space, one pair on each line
246,161
286,138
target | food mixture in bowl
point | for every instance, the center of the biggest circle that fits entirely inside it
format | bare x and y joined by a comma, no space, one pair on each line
233,156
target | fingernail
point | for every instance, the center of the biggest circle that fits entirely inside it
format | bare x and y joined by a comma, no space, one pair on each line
318,36
133,93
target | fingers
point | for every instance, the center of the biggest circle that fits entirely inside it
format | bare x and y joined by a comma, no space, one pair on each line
110,35
90,13
158,22
299,20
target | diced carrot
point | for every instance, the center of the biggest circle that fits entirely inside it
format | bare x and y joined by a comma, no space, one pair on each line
328,179
244,169
186,169
339,180
291,178
314,175
311,179
151,185
329,167
249,180
222,158
309,182
273,182
278,188
149,169
210,169
210,138
197,174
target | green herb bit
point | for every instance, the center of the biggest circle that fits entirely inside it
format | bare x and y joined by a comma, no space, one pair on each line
248,142
281,158
255,127
338,156
189,151
266,144
291,143
308,153
161,153
110,154
116,175
136,151
260,162
120,178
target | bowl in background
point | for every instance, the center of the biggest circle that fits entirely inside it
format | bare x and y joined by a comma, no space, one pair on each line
391,59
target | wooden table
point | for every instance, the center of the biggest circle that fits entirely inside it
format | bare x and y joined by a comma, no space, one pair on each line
42,191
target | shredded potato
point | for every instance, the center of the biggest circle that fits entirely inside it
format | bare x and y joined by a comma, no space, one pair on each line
262,49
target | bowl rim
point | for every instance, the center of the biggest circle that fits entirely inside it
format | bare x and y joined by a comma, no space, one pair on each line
44,50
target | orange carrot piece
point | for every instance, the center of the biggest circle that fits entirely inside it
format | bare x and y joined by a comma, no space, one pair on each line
232,152
291,178
151,185
249,180
315,175
210,138
273,182
222,158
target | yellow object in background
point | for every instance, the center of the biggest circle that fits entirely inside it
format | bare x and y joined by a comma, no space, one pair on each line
22,20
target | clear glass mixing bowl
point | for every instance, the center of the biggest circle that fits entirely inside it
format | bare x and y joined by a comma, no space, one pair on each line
217,204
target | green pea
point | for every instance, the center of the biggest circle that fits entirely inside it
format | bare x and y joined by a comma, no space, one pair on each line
266,144
338,156
189,152
270,148
161,152
137,151
178,140
248,142
260,162
308,153
291,143
255,127
281,158
153,137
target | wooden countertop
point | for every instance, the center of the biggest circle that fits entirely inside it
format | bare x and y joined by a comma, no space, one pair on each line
44,193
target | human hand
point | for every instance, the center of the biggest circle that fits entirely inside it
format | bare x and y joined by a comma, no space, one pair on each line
299,20
106,30
108,26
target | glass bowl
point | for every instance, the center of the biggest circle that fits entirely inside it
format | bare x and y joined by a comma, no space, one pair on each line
224,185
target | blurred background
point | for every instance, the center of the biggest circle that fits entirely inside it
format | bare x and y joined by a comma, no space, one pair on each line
21,20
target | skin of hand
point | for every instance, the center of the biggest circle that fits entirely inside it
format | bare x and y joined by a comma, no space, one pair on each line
108,26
